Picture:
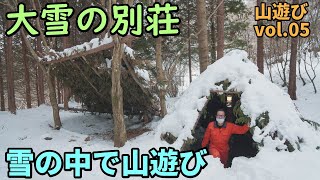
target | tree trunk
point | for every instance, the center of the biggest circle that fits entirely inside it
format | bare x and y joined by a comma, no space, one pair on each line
202,35
49,78
293,68
119,129
26,73
220,28
2,102
10,75
104,6
53,98
284,67
299,64
36,67
59,91
292,88
260,47
213,34
66,98
120,134
160,77
40,79
66,91
189,45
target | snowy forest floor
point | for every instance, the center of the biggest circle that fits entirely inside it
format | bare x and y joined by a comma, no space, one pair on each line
30,129
307,101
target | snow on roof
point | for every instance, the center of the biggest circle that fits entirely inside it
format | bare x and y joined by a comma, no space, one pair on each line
94,43
258,96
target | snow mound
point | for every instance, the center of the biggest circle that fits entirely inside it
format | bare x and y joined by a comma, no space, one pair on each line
259,95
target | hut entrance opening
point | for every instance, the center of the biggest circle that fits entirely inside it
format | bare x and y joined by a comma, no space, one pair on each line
240,145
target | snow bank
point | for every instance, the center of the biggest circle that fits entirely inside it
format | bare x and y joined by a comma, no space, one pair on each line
29,128
259,95
308,101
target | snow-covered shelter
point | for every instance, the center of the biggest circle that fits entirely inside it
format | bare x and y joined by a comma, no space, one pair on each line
86,70
274,119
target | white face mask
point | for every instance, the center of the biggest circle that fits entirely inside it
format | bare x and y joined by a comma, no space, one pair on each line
220,120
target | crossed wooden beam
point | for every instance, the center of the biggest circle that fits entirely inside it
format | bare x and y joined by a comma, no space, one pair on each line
57,59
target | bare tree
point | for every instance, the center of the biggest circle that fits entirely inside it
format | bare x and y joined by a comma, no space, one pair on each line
299,63
269,60
281,59
310,47
313,63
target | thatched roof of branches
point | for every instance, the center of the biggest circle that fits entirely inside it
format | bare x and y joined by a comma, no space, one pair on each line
88,48
86,70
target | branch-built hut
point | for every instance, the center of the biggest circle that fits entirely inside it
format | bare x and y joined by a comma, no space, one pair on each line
274,120
86,70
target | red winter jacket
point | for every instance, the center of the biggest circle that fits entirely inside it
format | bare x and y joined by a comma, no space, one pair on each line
218,138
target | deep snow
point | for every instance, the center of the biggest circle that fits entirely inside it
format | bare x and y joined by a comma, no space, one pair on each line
259,95
29,128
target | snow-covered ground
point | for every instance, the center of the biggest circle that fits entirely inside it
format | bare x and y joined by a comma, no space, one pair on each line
307,101
30,129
